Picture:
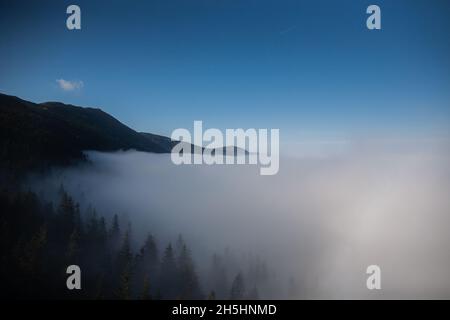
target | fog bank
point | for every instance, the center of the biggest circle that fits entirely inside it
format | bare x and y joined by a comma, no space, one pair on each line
322,220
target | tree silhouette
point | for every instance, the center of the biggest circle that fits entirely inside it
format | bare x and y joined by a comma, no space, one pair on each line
124,265
168,275
34,257
237,288
188,281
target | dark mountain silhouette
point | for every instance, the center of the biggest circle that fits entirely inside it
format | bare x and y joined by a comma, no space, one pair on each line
34,136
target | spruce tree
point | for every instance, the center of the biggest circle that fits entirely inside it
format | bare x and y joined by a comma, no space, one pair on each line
188,281
124,268
115,233
217,278
237,288
168,275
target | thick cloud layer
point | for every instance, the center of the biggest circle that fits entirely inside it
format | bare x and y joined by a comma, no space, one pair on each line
322,220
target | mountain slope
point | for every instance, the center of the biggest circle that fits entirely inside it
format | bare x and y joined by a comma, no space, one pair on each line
34,135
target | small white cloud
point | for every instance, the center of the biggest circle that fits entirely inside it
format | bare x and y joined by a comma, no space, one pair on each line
67,85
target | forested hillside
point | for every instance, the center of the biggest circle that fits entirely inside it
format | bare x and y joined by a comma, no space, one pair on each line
39,241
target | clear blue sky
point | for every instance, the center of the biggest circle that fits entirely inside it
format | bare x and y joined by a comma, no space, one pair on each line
306,67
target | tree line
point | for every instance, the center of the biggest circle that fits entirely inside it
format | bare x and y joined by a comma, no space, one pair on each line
39,240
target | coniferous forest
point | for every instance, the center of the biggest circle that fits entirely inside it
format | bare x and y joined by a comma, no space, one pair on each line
40,240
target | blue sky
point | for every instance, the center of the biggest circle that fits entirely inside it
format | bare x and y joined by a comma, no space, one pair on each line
310,68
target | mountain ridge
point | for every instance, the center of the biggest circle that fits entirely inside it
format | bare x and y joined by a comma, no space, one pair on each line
37,135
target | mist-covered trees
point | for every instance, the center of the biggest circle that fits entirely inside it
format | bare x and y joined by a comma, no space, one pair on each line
188,281
38,242
124,268
168,274
237,288
147,269
218,280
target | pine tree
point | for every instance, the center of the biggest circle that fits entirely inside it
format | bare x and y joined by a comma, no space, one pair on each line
124,265
150,252
67,216
92,224
218,277
237,288
115,225
168,274
125,254
147,261
114,233
189,286
179,244
124,291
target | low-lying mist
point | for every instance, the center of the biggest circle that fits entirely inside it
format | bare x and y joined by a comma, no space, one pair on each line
321,220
